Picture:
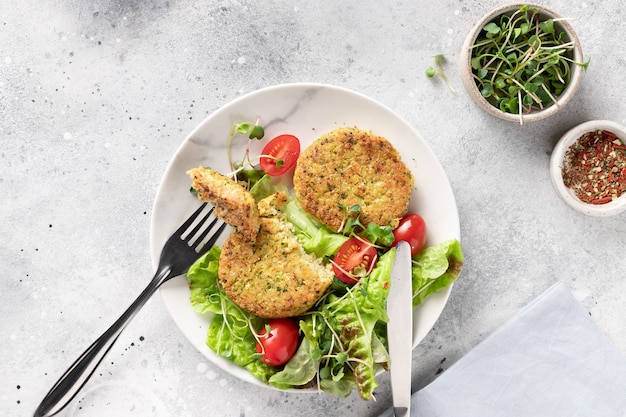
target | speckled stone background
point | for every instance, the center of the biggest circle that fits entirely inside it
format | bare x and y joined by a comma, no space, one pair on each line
95,97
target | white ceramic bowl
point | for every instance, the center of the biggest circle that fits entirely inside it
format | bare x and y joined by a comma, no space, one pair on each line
557,162
470,84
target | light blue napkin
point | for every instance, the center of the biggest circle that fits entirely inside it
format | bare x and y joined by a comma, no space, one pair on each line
549,360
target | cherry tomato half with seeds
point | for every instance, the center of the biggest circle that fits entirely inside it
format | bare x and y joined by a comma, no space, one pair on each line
354,253
412,229
280,344
280,155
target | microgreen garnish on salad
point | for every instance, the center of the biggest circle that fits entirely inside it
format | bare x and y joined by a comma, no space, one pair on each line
352,225
278,157
252,130
337,342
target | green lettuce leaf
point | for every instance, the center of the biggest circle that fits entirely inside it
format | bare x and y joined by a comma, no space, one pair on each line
262,188
341,388
300,370
435,268
230,336
314,236
344,339
353,318
357,318
202,278
379,345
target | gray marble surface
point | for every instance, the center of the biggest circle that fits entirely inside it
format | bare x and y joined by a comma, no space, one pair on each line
95,97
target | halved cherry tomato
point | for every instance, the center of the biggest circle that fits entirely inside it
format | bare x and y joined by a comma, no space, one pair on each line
283,152
354,253
280,344
412,229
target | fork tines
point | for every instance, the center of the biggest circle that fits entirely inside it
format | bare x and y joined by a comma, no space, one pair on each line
200,228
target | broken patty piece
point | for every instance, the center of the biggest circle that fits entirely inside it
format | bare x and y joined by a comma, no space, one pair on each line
233,203
272,277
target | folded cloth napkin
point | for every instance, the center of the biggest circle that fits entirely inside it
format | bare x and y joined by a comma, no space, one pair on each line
549,360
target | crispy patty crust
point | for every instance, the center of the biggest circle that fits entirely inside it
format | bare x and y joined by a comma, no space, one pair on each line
348,167
232,202
273,276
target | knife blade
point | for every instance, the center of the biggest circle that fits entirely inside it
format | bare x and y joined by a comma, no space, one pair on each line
400,330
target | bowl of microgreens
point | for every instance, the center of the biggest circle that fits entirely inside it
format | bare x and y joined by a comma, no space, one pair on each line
522,62
588,168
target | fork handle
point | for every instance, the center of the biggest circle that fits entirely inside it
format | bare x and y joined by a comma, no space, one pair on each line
71,382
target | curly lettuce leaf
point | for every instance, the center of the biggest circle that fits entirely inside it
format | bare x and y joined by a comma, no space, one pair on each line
202,278
314,236
379,345
262,188
301,368
357,318
345,338
229,334
354,317
435,268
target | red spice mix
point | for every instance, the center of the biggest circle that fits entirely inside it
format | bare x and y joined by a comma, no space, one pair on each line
595,167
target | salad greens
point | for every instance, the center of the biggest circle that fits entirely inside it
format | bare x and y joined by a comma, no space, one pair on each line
435,268
254,131
314,236
344,340
230,333
352,225
339,351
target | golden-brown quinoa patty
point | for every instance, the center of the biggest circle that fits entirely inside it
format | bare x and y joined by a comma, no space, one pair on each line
233,203
273,276
349,166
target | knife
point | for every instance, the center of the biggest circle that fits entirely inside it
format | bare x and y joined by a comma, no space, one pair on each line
400,330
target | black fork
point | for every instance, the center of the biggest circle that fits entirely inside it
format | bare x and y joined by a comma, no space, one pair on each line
181,250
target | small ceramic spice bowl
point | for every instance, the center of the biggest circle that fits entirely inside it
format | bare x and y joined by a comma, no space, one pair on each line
524,84
588,168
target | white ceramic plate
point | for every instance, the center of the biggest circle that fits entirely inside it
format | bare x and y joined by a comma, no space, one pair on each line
306,111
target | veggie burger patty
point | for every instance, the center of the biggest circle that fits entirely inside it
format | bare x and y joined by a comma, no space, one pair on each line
263,267
272,277
348,167
233,203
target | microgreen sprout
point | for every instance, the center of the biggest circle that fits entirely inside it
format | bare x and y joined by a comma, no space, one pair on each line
331,349
332,355
258,337
279,162
383,234
521,63
351,226
359,271
253,131
438,69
